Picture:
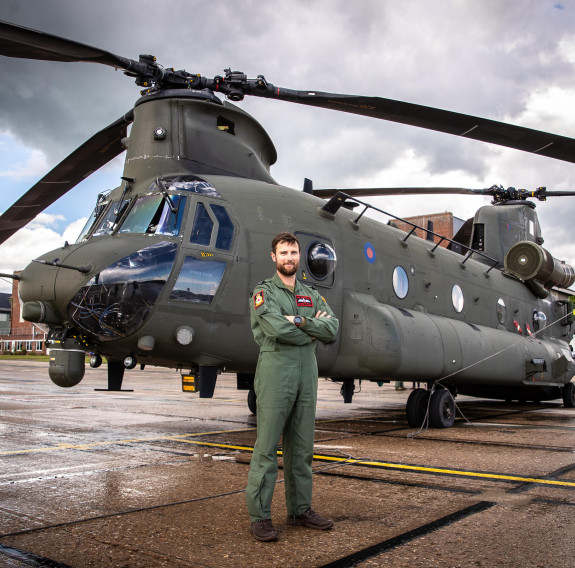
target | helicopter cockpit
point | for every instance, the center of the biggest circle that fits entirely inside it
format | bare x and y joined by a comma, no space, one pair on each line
118,299
159,211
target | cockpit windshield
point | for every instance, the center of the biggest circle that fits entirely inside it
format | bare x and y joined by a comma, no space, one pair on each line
156,215
110,219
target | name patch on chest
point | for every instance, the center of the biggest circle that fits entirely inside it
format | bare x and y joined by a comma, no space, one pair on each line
303,302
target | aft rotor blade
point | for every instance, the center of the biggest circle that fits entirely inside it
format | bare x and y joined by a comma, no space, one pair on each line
93,154
467,126
18,41
559,193
383,191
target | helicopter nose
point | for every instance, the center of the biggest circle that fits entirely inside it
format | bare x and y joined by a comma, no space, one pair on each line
117,300
109,302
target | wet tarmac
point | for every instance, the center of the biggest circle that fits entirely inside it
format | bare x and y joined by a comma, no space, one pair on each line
155,477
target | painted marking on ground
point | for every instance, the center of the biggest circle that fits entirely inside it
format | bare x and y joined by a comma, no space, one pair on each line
185,438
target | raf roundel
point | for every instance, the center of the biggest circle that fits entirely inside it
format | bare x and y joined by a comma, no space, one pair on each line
369,252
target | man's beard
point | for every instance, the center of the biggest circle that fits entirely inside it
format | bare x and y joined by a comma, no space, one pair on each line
288,270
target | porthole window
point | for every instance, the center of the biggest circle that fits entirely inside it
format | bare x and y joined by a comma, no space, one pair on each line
400,282
321,260
539,320
501,310
457,298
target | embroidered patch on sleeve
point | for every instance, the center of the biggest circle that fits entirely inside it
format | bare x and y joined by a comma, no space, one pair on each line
259,299
303,302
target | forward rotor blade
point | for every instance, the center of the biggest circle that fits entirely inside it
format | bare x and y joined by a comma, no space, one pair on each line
18,41
383,191
482,129
93,154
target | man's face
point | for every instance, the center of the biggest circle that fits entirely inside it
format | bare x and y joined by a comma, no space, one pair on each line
286,258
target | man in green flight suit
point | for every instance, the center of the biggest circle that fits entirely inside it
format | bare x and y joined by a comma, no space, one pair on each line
287,319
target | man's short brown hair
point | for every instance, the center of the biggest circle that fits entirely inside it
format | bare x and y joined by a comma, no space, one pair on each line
289,238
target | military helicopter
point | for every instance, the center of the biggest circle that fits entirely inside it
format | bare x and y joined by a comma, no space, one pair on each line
162,272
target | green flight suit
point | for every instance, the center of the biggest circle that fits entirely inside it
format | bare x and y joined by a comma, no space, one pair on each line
286,388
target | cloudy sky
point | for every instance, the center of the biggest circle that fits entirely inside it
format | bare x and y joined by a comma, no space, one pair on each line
508,61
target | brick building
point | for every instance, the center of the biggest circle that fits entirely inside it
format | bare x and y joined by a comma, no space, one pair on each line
5,309
20,335
444,224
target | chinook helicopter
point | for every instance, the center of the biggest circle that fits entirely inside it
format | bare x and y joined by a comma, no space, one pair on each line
162,272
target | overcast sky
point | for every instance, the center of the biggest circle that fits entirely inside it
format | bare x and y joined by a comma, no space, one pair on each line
508,61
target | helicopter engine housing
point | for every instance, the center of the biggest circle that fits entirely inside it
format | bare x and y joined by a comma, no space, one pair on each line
529,261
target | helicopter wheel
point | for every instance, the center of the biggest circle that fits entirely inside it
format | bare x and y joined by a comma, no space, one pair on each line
130,362
416,407
252,401
569,395
441,409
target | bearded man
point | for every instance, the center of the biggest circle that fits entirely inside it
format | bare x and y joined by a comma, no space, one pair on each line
287,319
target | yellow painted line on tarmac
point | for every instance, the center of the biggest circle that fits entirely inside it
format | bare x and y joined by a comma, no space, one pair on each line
185,438
415,468
89,446
454,472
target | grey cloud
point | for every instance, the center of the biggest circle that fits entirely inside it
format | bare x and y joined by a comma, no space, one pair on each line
482,58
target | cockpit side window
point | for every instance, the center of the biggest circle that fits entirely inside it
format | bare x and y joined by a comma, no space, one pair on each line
89,223
202,228
225,227
101,205
198,280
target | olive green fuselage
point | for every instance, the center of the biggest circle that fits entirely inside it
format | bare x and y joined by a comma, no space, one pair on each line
408,310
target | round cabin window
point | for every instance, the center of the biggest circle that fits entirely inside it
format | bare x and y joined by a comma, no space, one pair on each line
457,298
400,282
321,260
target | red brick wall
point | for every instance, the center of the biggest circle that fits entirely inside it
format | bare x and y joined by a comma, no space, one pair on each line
21,330
442,225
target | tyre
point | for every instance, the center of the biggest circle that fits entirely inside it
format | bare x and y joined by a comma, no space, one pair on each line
441,409
252,401
569,395
416,407
130,362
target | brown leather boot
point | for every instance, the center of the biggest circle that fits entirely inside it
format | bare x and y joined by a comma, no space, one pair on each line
311,520
264,530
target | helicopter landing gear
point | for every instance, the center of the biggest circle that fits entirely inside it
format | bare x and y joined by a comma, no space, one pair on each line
439,403
130,362
441,409
115,377
347,390
252,401
569,395
416,407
